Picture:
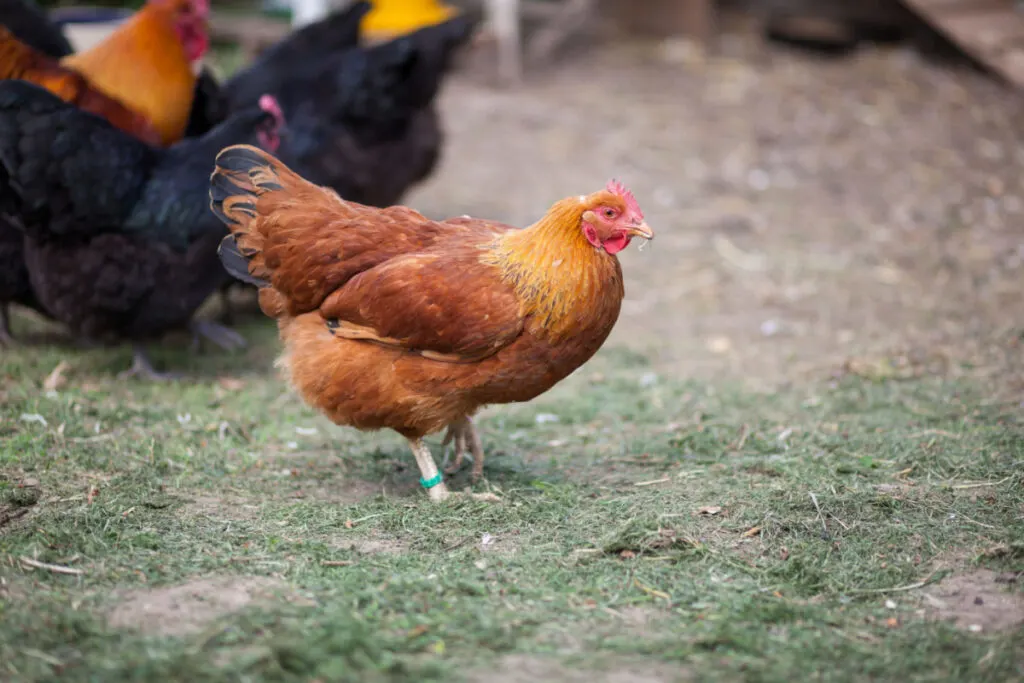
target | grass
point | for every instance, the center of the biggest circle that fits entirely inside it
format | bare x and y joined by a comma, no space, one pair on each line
648,527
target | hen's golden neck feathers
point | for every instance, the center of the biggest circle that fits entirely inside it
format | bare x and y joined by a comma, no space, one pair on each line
555,271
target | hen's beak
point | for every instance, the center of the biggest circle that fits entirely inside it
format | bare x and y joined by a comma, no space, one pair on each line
640,231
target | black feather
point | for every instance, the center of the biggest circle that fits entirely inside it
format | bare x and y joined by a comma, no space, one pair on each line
236,263
221,187
209,105
361,120
30,24
239,159
294,55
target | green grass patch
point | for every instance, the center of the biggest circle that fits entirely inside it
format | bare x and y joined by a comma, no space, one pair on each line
224,532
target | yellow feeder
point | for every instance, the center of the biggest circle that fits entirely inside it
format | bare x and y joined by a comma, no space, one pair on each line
390,18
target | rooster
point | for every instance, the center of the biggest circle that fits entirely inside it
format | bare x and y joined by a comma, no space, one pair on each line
391,320
118,237
147,62
145,65
20,61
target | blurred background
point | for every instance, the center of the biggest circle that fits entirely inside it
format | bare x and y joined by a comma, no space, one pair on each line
832,183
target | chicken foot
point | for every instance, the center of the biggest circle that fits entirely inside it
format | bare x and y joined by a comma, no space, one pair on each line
142,367
428,470
465,436
223,337
429,473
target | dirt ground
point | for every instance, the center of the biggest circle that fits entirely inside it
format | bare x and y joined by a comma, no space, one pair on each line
808,210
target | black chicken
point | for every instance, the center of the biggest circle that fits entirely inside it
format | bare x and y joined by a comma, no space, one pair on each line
361,120
119,240
30,24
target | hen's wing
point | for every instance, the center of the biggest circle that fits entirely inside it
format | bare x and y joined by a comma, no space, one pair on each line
445,305
385,275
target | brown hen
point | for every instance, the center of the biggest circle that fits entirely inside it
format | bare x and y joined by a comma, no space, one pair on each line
392,320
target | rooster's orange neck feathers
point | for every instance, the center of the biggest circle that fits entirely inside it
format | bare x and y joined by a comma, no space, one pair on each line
144,65
16,57
554,270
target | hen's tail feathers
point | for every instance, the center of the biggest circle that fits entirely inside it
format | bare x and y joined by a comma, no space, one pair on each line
380,87
337,31
243,186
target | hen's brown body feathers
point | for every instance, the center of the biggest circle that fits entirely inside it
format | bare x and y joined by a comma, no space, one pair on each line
392,320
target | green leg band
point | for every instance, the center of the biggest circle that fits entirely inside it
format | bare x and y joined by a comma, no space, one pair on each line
432,482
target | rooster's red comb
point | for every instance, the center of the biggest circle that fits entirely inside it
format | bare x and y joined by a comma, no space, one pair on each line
616,187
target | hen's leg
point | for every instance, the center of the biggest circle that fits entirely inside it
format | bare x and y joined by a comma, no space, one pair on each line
430,478
224,337
464,433
459,437
6,338
142,367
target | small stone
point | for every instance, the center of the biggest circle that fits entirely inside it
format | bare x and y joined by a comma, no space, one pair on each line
719,345
769,328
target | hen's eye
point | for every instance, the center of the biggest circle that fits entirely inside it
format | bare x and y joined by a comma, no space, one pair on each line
610,213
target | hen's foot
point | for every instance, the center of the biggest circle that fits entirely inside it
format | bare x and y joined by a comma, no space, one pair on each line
223,337
143,368
464,434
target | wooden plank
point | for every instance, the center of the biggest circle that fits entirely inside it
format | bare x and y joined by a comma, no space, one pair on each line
993,36
664,18
984,31
234,27
573,14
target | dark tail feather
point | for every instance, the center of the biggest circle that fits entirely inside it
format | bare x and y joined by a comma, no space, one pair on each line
31,25
209,105
383,85
435,47
245,182
338,30
236,264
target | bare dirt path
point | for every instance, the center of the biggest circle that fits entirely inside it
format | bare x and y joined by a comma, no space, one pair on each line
809,211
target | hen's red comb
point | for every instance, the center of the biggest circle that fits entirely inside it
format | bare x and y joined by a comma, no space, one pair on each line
615,187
